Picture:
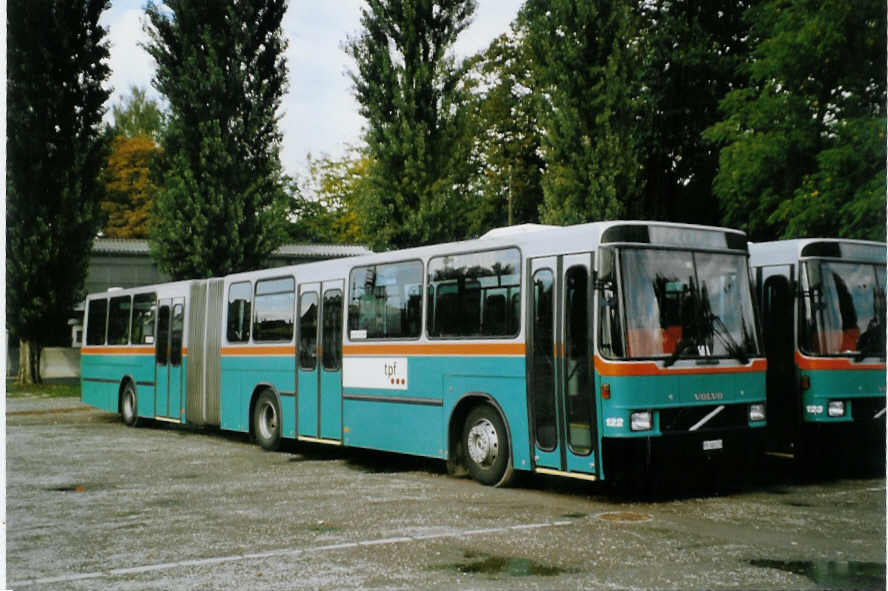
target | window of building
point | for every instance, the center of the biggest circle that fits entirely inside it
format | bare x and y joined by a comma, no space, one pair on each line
239,306
119,320
274,310
385,301
142,330
475,295
96,318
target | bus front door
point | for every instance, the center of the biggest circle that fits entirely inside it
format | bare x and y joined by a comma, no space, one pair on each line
320,361
561,384
307,402
168,358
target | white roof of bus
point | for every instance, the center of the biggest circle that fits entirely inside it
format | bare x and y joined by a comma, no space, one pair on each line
788,252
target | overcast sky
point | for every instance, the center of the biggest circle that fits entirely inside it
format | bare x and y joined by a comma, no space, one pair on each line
319,112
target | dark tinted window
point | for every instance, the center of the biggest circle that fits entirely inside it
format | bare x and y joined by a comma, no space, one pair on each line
332,329
162,347
274,310
308,330
119,321
176,331
475,295
385,301
239,306
96,316
142,330
543,360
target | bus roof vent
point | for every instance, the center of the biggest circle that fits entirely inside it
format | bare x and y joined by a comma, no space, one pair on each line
519,229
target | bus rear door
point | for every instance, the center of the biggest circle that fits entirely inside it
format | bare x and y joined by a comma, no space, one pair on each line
168,358
561,383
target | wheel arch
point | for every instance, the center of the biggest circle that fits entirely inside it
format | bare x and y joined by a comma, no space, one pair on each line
461,410
127,379
258,389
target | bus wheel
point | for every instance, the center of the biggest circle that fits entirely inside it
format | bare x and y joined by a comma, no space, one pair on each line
128,413
267,421
487,447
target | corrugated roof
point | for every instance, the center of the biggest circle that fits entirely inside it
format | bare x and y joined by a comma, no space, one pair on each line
140,247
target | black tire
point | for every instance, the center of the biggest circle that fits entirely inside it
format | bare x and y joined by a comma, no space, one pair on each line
129,406
267,421
486,444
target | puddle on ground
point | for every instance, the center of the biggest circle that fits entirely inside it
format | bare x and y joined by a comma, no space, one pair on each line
486,564
574,515
624,516
69,488
832,574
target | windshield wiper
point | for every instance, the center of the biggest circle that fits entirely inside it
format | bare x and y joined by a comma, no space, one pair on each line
869,343
681,347
727,339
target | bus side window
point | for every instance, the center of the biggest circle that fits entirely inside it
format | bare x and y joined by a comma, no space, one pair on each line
142,328
96,320
119,320
239,312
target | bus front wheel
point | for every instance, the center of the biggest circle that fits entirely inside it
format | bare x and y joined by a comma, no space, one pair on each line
267,421
128,413
486,446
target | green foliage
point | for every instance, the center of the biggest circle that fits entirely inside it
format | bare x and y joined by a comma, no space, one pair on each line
411,91
507,139
222,203
57,63
138,115
327,207
584,67
691,57
804,147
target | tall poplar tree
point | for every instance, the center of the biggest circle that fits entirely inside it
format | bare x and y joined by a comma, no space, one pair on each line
585,67
57,56
220,65
410,90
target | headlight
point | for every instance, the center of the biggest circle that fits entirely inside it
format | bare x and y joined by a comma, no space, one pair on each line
836,408
756,413
641,421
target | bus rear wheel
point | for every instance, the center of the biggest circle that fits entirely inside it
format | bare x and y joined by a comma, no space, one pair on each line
128,407
267,421
486,445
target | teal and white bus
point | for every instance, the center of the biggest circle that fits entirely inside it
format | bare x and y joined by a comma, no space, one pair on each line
822,303
586,351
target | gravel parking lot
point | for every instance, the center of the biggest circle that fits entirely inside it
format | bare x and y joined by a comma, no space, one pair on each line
96,505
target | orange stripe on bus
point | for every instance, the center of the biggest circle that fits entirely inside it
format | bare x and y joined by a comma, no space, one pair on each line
120,350
833,363
504,349
259,350
650,368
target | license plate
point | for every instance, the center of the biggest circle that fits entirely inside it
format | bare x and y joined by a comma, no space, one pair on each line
713,444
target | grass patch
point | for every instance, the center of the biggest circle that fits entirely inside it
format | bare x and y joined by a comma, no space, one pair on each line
15,390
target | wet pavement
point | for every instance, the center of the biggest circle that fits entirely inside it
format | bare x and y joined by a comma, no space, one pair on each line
92,504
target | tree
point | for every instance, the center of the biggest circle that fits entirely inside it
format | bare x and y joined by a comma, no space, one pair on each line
327,209
585,70
222,203
692,52
508,138
137,114
410,90
57,63
129,190
803,144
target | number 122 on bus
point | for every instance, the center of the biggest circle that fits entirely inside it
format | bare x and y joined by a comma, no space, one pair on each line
591,351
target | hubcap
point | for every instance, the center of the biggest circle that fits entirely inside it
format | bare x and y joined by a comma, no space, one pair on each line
483,443
267,421
128,405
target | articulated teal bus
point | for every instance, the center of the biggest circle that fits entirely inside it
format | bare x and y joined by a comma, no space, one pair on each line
822,303
586,351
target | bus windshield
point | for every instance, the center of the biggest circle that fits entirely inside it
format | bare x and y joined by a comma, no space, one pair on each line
686,304
843,309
